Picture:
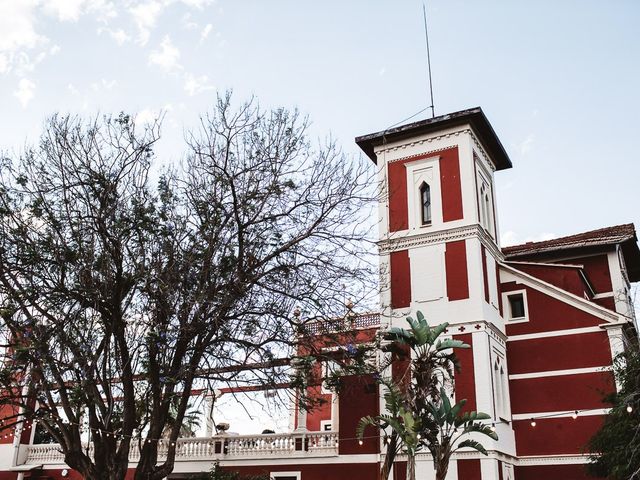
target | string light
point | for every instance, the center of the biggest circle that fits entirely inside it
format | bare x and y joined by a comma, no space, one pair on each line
386,438
629,408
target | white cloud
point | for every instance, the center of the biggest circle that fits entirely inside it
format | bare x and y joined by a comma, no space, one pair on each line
25,63
108,84
74,91
146,116
187,22
194,85
150,115
382,71
72,10
205,32
526,145
119,35
167,56
54,49
145,16
512,238
17,26
197,3
65,10
103,84
25,91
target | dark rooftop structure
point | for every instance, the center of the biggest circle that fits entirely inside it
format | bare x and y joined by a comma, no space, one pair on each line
473,116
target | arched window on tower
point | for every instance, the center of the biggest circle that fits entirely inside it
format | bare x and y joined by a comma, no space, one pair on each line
425,203
487,205
483,206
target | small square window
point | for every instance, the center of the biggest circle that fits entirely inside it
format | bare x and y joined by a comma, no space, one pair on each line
515,306
286,476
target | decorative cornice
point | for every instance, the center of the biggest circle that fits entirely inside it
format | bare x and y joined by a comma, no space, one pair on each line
420,239
421,142
422,154
483,153
409,240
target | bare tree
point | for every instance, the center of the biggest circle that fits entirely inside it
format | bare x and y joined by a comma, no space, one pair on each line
119,299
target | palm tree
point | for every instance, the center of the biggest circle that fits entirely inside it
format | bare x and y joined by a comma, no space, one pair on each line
190,422
404,427
450,428
415,401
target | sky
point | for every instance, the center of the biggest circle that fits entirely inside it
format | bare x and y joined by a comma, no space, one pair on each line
558,81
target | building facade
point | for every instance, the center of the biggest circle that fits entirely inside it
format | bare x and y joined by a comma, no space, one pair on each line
544,321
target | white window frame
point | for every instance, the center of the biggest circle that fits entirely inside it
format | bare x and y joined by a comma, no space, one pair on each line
424,170
486,211
425,222
275,475
506,306
501,387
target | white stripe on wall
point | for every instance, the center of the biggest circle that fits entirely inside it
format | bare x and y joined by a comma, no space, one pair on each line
559,373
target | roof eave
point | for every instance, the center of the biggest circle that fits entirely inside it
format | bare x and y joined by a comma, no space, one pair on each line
473,116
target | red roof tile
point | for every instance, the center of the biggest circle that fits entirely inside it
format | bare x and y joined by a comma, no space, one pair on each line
603,236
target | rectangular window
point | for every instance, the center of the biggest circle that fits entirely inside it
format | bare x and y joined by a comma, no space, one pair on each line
516,306
286,476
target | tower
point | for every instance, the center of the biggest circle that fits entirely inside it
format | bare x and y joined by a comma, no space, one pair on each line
439,254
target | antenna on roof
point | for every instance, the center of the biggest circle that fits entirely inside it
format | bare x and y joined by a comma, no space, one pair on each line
426,36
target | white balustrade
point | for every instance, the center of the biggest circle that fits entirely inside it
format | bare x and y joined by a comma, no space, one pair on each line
228,447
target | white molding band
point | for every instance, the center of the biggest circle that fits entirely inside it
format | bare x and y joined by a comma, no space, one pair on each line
598,296
559,373
554,333
405,239
552,460
541,416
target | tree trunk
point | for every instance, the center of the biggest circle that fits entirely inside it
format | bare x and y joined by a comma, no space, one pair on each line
411,467
389,458
386,466
442,467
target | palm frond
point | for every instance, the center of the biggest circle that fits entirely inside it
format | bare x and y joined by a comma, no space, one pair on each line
472,444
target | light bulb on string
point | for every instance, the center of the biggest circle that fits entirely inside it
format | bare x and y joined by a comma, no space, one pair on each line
574,415
629,408
533,422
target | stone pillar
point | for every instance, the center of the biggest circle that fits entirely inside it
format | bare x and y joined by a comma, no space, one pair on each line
301,416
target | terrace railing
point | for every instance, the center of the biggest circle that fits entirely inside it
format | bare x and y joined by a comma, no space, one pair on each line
220,447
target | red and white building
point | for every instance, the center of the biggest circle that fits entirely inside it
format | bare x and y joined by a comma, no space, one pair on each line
544,321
